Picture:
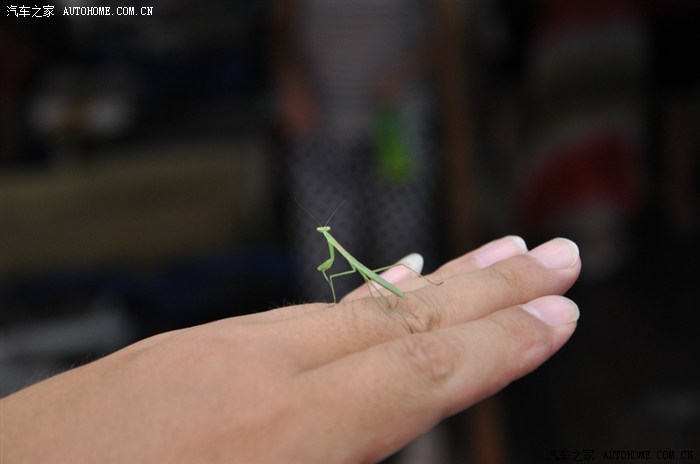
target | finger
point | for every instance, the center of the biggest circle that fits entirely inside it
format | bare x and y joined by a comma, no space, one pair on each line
359,324
484,256
409,278
481,258
398,390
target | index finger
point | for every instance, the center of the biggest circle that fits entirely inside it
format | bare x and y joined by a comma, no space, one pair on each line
408,277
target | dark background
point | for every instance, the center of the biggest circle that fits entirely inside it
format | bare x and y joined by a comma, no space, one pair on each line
140,191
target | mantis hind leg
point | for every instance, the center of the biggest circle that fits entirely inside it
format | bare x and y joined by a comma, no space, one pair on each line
372,288
376,287
330,278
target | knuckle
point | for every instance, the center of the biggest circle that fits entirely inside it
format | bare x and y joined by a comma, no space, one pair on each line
516,331
419,314
511,278
520,335
432,358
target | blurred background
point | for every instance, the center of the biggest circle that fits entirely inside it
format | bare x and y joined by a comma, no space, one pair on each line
149,167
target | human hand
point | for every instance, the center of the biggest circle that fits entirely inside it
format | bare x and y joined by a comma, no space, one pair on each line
352,382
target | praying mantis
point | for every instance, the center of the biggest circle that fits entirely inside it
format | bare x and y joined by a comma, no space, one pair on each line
355,265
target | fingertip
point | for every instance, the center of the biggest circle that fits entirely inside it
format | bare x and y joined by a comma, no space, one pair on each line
500,249
558,253
553,310
518,242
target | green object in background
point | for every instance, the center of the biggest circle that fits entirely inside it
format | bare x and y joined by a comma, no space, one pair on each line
393,151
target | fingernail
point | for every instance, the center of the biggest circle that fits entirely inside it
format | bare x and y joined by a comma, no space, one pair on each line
500,249
414,262
559,253
407,267
553,310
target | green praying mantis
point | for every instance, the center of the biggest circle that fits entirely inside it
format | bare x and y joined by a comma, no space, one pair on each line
367,274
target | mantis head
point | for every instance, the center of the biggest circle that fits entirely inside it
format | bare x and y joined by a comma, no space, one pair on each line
321,228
